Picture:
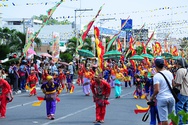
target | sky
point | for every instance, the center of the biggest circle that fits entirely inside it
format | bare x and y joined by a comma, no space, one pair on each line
162,15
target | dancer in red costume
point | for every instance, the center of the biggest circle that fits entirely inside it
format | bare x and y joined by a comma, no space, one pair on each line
5,97
32,81
101,91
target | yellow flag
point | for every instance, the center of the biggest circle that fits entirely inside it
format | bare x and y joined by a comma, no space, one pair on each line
37,103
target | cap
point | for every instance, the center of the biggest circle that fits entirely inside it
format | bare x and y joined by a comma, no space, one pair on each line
159,62
49,77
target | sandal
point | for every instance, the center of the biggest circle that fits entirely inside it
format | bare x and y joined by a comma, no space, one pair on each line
96,121
101,121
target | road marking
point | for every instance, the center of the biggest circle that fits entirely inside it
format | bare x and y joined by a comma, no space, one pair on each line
24,104
79,111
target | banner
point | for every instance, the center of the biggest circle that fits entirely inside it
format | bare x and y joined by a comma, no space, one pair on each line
55,47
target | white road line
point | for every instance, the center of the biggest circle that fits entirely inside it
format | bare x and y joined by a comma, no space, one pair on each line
79,111
24,104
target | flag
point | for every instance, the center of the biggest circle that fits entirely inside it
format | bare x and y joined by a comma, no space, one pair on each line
31,39
144,48
171,50
99,47
166,46
131,47
175,51
116,35
153,48
87,29
119,46
55,47
158,48
133,64
150,38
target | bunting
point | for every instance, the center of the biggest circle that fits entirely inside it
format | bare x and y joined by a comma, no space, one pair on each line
100,48
87,29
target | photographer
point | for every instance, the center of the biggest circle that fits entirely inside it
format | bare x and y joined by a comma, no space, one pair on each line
181,81
165,99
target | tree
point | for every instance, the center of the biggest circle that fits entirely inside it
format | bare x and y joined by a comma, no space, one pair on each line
14,40
66,57
184,43
51,21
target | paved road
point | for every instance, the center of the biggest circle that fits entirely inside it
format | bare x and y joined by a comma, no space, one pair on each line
74,109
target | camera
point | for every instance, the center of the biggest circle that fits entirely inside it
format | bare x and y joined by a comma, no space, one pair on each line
151,103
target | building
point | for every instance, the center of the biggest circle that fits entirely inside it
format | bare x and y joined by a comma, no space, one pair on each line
21,24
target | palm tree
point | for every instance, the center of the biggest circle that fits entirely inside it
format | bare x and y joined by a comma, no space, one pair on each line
14,39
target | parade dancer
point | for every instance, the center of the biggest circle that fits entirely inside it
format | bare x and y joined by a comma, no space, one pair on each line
32,81
62,78
80,76
86,79
101,91
118,84
113,76
50,89
69,81
5,97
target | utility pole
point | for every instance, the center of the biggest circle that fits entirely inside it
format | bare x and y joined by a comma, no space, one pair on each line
75,21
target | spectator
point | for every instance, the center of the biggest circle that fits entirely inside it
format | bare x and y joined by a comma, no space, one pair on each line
181,81
165,99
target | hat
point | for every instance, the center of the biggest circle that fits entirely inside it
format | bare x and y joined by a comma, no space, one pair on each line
49,77
159,62
70,63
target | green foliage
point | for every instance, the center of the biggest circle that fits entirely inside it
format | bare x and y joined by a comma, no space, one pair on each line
13,40
175,118
66,57
4,51
52,21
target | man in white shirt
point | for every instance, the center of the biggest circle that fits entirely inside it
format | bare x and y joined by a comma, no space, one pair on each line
165,99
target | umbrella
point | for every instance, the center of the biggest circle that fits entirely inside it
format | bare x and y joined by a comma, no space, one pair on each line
166,54
176,57
31,51
159,57
137,57
85,53
112,57
46,55
147,55
112,53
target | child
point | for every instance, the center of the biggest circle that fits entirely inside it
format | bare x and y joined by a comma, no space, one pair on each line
138,91
62,78
32,81
69,81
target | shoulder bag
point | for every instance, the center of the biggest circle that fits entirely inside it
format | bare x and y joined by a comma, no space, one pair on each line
173,93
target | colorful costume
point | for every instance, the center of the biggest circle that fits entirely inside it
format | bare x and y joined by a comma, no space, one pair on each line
101,91
118,84
86,85
5,97
62,79
50,89
32,81
80,76
113,76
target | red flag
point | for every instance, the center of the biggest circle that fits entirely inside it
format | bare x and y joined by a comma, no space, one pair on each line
144,48
131,46
119,46
175,51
